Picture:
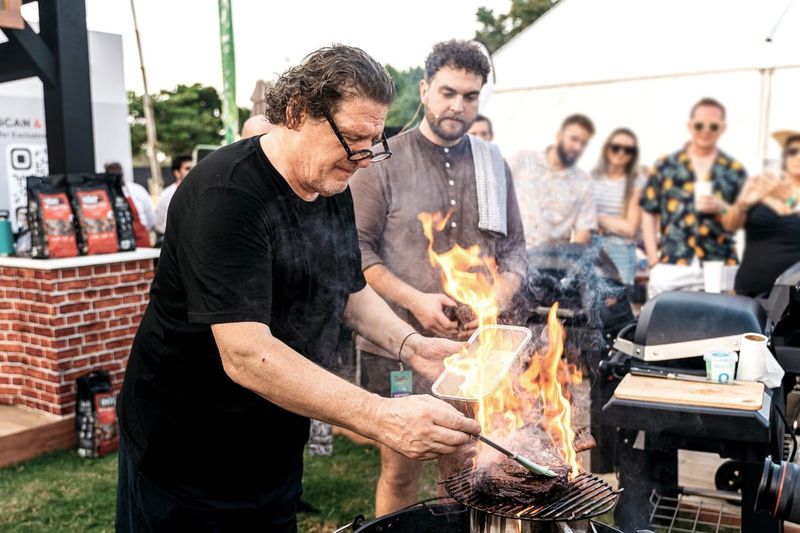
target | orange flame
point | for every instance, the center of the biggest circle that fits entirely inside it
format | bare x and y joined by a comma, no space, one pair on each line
539,394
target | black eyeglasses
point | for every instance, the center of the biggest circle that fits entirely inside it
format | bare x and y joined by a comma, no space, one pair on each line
793,151
359,155
713,127
617,148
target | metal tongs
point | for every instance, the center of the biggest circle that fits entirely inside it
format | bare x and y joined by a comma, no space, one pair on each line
524,461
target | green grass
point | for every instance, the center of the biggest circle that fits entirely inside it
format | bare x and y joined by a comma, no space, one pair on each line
63,492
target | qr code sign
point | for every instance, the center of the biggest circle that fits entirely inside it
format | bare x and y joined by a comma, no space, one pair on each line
23,160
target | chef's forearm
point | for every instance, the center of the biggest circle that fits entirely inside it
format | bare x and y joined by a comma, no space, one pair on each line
389,287
273,370
374,320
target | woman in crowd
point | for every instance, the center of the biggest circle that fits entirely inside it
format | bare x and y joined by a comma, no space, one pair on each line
768,207
617,187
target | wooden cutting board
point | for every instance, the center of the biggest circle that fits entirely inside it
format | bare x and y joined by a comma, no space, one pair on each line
744,395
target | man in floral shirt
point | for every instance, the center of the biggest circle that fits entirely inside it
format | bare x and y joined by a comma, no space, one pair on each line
692,227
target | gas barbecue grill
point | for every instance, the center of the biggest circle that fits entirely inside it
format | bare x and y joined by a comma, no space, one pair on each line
673,330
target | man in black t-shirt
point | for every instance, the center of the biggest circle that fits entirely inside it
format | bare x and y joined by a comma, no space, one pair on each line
260,265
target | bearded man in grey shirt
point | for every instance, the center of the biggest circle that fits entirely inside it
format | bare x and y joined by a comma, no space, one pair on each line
433,169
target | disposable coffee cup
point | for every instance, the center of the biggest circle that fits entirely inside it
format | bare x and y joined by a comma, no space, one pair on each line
712,276
752,357
702,188
720,366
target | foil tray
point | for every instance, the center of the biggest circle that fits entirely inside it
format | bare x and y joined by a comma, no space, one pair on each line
516,337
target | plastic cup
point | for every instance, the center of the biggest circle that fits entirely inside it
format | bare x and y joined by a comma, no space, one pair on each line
702,188
752,357
712,276
720,365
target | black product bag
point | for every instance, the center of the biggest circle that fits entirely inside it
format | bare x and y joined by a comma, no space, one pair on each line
96,415
122,211
93,207
50,218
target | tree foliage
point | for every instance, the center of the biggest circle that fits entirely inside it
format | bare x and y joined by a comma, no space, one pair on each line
185,117
406,83
497,30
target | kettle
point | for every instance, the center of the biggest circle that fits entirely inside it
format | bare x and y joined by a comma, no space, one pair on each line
6,235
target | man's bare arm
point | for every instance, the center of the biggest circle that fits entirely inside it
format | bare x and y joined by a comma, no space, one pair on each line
650,223
421,427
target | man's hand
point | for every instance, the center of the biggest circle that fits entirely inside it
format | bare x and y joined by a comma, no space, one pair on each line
426,355
428,310
422,427
709,205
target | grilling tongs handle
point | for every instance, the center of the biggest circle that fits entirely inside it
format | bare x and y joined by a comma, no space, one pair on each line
524,461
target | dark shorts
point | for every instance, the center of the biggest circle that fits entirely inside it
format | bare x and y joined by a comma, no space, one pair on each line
146,506
375,375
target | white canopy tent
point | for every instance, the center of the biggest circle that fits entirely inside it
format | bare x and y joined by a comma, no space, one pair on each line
642,64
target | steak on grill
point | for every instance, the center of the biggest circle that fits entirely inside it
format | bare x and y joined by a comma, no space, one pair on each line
508,480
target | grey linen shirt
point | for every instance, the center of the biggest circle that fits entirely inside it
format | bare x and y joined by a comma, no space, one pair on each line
422,176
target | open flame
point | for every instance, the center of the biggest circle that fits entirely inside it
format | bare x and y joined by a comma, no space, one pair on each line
537,395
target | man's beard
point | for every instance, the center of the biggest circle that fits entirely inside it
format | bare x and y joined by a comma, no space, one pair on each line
434,121
567,159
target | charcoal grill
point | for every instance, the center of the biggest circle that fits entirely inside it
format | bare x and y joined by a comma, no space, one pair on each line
585,497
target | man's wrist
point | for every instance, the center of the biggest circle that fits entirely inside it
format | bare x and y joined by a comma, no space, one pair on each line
409,346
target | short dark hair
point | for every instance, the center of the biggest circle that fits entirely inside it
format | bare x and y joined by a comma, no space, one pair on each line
708,102
458,55
579,120
113,167
179,160
484,118
322,81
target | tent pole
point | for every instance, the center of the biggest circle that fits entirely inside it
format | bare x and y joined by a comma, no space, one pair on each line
766,97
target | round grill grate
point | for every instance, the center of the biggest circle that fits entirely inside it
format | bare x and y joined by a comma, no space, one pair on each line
585,497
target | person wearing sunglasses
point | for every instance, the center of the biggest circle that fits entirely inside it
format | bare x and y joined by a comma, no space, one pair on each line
259,269
434,169
768,208
683,201
617,187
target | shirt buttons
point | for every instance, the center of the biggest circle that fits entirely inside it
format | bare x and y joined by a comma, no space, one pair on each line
453,224
451,182
447,164
452,202
446,150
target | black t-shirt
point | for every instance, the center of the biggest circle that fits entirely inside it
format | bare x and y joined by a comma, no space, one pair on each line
240,246
772,244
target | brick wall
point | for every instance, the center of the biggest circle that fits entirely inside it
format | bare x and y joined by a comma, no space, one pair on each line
56,325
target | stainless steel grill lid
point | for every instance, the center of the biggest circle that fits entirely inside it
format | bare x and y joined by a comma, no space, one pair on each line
681,324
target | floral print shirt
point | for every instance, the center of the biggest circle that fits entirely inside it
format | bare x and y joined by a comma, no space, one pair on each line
686,233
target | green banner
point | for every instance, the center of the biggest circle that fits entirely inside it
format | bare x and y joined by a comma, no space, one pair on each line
230,112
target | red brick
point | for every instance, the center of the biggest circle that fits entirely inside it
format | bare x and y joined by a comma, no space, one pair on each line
132,299
73,284
64,332
108,302
67,273
122,343
115,267
125,289
75,296
103,281
130,267
99,270
84,271
74,308
92,326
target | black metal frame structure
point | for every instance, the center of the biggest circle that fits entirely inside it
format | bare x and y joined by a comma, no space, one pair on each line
59,56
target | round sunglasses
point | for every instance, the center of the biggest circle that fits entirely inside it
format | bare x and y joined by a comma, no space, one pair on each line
713,127
617,148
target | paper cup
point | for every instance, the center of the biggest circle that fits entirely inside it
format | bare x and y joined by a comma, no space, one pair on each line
752,357
720,366
702,188
712,276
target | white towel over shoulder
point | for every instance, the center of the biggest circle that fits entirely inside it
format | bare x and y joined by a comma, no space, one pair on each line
490,180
